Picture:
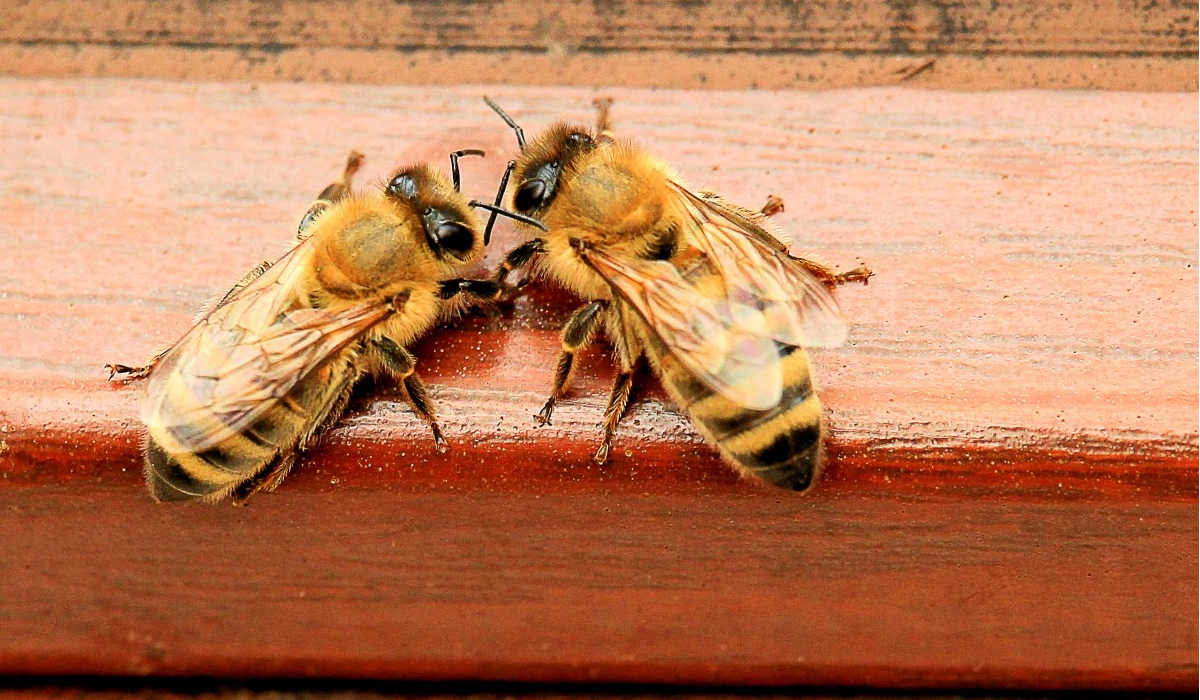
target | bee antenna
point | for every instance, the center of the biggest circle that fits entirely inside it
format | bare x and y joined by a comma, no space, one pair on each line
454,174
507,120
510,214
487,231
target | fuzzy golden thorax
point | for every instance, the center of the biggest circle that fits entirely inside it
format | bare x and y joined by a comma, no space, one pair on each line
417,228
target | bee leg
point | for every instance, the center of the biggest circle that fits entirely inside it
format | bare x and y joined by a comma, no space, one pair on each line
418,397
270,478
473,290
517,258
332,193
239,286
832,279
125,373
603,121
773,206
575,336
401,364
463,294
618,401
128,373
267,480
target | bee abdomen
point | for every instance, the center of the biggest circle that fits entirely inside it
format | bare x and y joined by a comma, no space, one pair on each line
781,445
213,472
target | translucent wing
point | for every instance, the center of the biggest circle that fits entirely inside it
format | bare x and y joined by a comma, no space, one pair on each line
727,318
799,308
723,343
247,354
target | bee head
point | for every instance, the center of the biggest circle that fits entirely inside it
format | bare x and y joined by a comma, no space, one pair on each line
446,220
542,165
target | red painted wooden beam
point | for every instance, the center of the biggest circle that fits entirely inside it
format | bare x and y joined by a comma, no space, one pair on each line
1011,494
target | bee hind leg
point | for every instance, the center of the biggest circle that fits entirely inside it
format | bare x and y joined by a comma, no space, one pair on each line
125,373
268,479
603,121
773,206
576,335
833,279
274,474
618,401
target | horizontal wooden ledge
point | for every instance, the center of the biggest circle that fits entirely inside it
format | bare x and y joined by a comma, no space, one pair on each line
720,69
1011,495
496,445
1029,330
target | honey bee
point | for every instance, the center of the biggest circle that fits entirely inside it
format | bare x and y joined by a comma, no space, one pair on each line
262,373
704,289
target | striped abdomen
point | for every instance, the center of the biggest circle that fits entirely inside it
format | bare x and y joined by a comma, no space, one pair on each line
176,474
781,445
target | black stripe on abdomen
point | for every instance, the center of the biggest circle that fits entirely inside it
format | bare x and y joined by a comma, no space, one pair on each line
789,460
169,480
738,420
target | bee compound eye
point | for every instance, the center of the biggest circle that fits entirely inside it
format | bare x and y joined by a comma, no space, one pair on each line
403,185
530,195
454,237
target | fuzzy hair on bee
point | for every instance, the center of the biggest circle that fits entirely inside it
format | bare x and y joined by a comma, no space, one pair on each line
271,365
705,290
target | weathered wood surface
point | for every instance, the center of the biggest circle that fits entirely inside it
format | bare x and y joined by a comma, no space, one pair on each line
309,689
1011,496
706,43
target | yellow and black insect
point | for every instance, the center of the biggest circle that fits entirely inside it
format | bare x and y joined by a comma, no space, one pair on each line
705,289
273,362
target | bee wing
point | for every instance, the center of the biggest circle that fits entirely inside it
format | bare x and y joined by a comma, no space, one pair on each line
723,343
800,310
247,354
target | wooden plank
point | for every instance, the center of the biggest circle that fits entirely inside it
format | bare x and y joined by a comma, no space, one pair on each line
618,583
706,43
1022,253
1011,498
192,688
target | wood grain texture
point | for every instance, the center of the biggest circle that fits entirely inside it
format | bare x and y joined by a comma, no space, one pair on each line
1011,497
695,43
195,689
723,586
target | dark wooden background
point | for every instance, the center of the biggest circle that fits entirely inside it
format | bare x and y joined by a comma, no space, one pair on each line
1011,500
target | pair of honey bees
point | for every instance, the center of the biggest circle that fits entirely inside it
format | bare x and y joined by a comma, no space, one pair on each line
705,290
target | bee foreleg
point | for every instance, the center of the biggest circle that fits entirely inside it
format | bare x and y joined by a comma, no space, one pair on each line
833,279
332,193
578,332
618,401
474,290
518,257
401,364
